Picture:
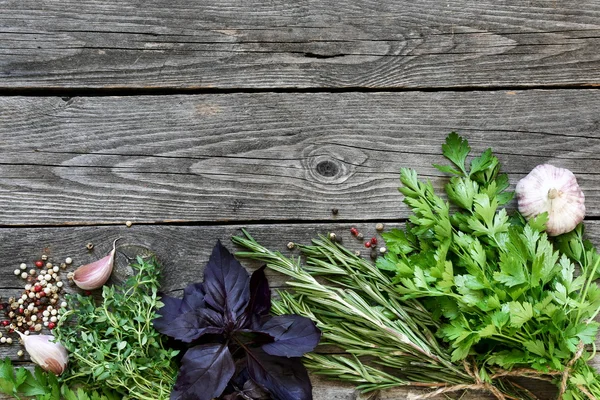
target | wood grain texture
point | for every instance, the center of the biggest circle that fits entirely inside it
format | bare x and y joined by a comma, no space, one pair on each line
184,251
237,44
270,156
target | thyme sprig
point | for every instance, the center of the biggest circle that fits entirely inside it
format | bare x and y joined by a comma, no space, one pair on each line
113,344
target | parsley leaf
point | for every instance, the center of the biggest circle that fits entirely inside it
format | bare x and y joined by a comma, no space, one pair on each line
456,149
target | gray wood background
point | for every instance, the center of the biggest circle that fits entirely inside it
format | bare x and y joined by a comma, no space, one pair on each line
193,118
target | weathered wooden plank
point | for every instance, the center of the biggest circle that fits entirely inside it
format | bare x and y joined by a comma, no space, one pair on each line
184,250
307,44
269,156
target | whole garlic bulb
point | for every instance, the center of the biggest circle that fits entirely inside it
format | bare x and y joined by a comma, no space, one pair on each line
554,190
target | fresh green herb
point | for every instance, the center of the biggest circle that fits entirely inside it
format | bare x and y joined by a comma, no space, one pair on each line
21,383
503,290
390,341
496,289
114,344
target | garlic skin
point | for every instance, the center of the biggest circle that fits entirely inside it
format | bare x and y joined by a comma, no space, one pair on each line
51,356
94,275
554,190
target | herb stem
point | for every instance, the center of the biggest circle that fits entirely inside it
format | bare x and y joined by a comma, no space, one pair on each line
590,278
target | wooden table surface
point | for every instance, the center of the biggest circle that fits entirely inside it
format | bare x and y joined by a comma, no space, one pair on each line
193,118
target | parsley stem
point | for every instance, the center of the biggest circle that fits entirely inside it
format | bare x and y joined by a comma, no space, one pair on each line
591,276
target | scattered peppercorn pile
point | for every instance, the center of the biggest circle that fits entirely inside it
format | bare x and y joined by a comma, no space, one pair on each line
371,243
40,304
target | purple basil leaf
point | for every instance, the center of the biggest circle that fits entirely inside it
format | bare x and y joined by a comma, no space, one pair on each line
226,284
294,335
284,378
190,326
204,373
167,313
260,294
193,297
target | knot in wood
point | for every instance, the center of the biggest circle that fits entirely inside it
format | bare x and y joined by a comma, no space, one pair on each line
327,168
331,164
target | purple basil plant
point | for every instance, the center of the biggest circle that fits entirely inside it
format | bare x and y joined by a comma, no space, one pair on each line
235,348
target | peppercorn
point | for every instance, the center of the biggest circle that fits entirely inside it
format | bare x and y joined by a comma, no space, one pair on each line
39,264
367,244
374,254
354,231
89,246
379,227
291,245
373,241
360,236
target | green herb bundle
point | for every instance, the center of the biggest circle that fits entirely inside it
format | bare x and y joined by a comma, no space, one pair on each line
113,344
504,291
390,342
20,382
465,297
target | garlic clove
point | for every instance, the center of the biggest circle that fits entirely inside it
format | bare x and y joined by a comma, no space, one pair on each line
555,191
51,356
94,275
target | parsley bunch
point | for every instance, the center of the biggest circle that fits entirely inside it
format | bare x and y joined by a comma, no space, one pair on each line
504,292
